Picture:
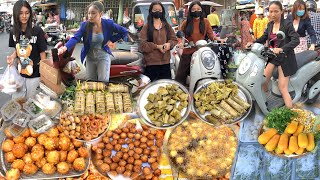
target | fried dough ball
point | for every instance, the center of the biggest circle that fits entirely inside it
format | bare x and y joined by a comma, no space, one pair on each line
77,143
13,174
63,168
104,167
72,155
8,133
27,158
7,145
37,147
48,168
64,143
30,169
19,139
26,133
9,157
37,155
19,150
79,164
34,134
18,164
51,143
42,138
63,155
83,152
53,157
53,132
30,142
41,163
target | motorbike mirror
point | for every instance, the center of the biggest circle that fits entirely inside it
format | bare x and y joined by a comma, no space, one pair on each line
180,34
280,35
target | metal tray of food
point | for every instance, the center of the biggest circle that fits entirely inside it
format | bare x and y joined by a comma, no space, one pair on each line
277,168
153,88
248,162
242,93
39,174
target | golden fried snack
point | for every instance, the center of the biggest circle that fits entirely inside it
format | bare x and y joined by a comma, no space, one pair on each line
64,143
19,139
26,133
30,142
63,155
79,164
72,155
83,152
51,143
41,163
30,169
19,150
37,155
9,156
77,143
7,145
27,158
8,133
104,167
42,138
13,174
37,147
63,168
48,168
18,164
53,132
34,134
53,157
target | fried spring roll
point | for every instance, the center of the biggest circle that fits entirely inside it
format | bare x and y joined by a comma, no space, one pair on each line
229,109
235,105
241,102
109,103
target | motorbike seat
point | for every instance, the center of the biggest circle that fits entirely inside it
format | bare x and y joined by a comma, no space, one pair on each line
302,58
124,57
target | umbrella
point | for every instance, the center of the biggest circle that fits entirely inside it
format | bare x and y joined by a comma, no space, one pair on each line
208,3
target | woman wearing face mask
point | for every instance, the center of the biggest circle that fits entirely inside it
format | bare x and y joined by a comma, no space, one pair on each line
286,59
195,28
97,33
302,24
157,38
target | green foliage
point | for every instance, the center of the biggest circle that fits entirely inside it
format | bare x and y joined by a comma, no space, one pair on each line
279,118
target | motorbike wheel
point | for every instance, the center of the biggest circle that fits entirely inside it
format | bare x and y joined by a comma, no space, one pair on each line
306,91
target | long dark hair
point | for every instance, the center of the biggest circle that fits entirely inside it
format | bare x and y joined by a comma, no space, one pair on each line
89,26
16,19
278,3
150,20
295,8
189,28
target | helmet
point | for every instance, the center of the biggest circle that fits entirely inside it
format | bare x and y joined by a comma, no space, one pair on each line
311,5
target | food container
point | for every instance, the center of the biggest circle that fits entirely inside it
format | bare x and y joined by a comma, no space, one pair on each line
153,88
21,119
277,168
10,109
33,107
249,129
41,124
242,93
16,130
52,109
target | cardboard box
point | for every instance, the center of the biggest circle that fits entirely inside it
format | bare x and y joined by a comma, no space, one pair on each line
57,88
49,72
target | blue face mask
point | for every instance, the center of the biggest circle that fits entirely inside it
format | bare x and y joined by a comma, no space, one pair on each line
300,13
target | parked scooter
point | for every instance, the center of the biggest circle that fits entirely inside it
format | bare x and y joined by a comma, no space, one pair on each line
304,85
204,62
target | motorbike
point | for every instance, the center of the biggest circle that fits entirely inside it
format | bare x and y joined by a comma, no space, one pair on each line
205,63
53,33
304,85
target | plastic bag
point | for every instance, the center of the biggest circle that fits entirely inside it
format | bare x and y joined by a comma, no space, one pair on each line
72,67
11,81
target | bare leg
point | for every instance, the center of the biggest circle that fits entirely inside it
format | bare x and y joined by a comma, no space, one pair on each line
283,87
268,73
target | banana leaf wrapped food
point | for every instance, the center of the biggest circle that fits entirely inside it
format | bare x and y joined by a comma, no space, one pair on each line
241,102
235,105
80,102
127,105
229,109
90,103
118,88
100,102
109,103
118,103
92,86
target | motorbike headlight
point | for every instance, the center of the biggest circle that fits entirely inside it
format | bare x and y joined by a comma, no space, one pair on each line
208,59
244,65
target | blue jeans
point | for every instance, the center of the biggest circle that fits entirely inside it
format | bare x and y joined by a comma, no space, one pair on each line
98,65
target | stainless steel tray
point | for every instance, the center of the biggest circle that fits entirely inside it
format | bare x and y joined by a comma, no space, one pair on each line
39,174
242,93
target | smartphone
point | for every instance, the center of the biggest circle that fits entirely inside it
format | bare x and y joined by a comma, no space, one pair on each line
54,53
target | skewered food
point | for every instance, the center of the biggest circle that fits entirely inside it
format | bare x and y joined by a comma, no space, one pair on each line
90,103
118,88
92,85
127,105
80,102
110,103
100,102
118,104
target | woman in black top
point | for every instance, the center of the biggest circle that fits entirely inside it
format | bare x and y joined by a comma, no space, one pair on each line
285,60
30,46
